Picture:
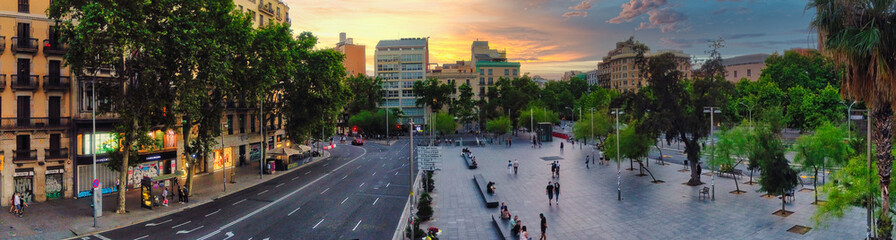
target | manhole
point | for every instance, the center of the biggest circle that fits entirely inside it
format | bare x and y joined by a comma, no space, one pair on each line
551,158
800,229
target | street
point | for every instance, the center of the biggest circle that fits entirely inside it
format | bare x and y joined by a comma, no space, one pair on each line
358,193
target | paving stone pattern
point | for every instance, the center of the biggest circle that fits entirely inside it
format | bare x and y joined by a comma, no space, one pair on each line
589,209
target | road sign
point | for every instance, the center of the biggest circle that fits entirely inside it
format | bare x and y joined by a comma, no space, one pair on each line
430,166
96,183
429,153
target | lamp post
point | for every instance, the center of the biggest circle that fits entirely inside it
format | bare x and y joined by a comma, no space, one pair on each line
387,126
712,111
223,167
263,141
97,195
848,111
411,171
750,109
616,111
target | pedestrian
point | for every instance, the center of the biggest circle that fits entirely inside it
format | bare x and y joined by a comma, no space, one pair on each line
516,165
558,168
524,234
550,191
544,227
600,154
587,157
557,192
12,205
509,142
509,167
17,203
561,146
186,194
553,168
534,143
164,197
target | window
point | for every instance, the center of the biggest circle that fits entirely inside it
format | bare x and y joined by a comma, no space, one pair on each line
387,67
412,67
516,72
408,93
506,71
407,84
412,58
490,72
252,122
230,124
735,73
278,12
748,72
625,75
468,81
481,81
623,68
24,6
491,81
387,58
260,20
391,94
481,91
242,123
481,71
412,75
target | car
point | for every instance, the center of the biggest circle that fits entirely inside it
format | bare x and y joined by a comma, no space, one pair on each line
358,142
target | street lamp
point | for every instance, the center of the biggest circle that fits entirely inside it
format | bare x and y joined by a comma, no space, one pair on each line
387,126
712,111
616,111
223,167
749,108
411,171
848,111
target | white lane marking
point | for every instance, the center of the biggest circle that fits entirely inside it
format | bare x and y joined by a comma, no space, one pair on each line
216,211
359,167
295,178
101,237
343,201
362,184
384,165
176,226
185,231
374,174
356,225
238,202
325,190
278,185
326,164
293,211
244,217
387,184
318,223
156,224
229,235
262,192
374,201
144,236
396,172
344,176
306,173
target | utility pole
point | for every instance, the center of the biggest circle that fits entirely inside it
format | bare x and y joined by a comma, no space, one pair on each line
387,126
223,167
616,111
848,112
263,141
750,109
870,230
712,111
411,171
97,208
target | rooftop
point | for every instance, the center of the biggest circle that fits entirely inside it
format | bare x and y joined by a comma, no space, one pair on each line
404,42
745,59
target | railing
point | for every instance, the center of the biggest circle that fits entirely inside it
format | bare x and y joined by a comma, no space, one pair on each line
54,47
24,45
24,82
2,82
61,83
262,8
2,44
34,123
24,155
59,153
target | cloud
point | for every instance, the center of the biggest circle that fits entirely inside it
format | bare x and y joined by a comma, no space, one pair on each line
575,14
635,8
585,5
667,20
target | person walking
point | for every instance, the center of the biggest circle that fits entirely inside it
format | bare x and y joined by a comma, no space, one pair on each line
561,147
17,202
524,234
550,192
553,168
557,192
509,167
557,168
544,228
186,194
587,157
516,165
509,142
165,197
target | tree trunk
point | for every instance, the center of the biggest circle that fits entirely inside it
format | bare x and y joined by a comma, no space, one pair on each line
815,185
648,172
783,202
123,174
657,145
188,151
693,152
882,134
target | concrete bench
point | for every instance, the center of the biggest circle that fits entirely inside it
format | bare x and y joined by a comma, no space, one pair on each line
503,226
469,160
735,173
491,201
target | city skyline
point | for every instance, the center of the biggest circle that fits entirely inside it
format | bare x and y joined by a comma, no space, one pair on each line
550,37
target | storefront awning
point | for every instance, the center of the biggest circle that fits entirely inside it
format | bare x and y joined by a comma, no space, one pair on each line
176,174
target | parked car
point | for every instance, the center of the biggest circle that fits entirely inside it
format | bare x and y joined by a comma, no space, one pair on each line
358,142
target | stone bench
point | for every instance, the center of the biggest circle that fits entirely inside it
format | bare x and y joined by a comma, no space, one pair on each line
469,160
735,173
503,226
491,201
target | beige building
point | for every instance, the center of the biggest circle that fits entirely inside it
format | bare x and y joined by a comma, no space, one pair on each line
747,66
264,11
355,61
35,95
618,69
491,65
400,63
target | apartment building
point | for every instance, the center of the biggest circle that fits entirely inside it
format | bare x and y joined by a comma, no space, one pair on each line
618,69
400,63
35,92
747,66
264,12
355,61
491,65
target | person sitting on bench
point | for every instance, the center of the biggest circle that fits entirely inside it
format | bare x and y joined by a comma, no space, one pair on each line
516,228
490,187
505,214
474,162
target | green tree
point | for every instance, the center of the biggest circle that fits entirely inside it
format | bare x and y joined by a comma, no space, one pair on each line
777,176
824,147
857,35
809,70
602,125
444,123
537,114
731,149
464,105
374,122
499,126
513,95
431,93
366,93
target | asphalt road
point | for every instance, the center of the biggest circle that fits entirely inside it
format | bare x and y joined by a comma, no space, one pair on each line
358,193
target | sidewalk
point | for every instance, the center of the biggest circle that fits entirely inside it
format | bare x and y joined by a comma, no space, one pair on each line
67,218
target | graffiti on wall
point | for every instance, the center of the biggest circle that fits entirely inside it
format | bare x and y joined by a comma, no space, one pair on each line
24,188
54,186
135,174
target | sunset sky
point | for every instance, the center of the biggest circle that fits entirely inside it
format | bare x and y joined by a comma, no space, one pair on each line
550,37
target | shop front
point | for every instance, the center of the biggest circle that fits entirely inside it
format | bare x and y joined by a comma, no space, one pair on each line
23,179
54,184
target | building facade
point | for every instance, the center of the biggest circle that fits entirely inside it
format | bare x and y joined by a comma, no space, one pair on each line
400,63
747,66
491,65
355,61
569,75
35,95
618,69
264,12
592,77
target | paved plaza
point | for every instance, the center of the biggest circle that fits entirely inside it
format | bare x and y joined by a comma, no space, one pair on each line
589,209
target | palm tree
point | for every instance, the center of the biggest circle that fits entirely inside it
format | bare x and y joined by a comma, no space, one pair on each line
860,36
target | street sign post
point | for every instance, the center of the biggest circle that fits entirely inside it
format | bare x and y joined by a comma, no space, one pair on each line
97,198
429,158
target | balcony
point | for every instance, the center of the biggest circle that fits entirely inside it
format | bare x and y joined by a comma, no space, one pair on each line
24,82
57,83
265,8
2,82
56,154
24,45
2,44
37,123
54,47
24,155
